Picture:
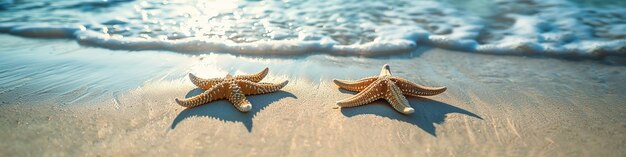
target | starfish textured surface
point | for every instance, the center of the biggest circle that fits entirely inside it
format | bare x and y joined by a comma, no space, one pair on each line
231,88
385,86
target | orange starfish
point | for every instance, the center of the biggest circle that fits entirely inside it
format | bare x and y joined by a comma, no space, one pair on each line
385,86
234,89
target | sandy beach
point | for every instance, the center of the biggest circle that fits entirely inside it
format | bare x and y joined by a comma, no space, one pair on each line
63,99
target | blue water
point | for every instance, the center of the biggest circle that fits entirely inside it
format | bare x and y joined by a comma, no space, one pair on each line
582,28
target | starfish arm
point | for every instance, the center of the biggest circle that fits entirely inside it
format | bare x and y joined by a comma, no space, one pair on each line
212,94
397,100
253,77
385,71
369,94
412,89
204,83
251,88
238,98
355,86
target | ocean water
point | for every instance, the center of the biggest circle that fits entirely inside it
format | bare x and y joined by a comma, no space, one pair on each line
581,28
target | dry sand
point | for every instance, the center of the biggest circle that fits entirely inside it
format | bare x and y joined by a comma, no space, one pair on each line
60,99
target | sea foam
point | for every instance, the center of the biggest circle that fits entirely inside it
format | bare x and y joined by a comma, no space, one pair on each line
553,27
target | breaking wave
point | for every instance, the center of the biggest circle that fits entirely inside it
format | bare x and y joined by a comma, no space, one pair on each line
337,27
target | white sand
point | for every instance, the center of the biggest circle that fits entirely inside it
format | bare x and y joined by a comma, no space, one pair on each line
95,102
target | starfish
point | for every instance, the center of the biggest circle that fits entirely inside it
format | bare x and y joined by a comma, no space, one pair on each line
231,88
385,86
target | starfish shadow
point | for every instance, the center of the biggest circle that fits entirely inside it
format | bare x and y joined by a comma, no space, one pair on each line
225,111
427,112
345,91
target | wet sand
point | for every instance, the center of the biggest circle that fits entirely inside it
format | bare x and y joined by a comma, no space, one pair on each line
61,99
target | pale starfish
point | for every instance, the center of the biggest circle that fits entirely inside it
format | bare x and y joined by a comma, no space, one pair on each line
233,89
385,86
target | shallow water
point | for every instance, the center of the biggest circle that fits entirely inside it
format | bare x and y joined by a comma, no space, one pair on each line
61,99
58,70
581,28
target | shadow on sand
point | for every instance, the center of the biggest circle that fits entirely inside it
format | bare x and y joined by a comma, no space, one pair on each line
225,111
427,112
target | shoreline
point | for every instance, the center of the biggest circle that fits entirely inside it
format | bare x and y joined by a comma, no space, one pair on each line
494,106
